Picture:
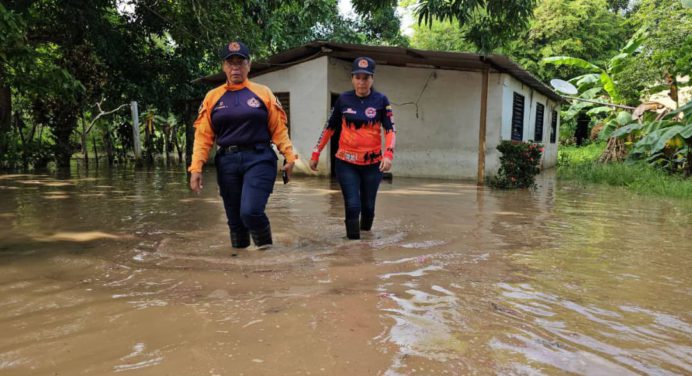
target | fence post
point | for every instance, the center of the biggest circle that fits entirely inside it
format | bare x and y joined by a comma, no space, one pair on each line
135,131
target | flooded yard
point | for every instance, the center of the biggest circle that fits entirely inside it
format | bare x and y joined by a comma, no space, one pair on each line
128,272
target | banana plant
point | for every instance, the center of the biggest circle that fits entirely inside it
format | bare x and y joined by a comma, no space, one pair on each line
601,78
612,127
664,141
669,131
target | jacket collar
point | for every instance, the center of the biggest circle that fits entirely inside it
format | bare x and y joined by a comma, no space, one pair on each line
235,87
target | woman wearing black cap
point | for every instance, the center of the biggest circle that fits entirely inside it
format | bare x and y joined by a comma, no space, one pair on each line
244,118
361,114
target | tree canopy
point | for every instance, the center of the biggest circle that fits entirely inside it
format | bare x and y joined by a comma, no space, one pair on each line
487,24
60,58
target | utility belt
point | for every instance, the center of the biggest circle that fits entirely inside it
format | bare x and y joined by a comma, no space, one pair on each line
245,147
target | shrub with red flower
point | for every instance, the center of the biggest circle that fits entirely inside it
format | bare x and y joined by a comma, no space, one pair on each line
519,165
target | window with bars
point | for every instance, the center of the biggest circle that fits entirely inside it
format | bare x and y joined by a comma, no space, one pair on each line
285,100
518,117
553,127
538,127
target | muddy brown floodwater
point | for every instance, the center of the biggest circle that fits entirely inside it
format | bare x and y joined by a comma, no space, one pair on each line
127,272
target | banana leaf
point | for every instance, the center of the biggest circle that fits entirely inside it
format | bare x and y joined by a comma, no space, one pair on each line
586,80
685,109
608,129
591,93
571,61
636,40
599,110
652,126
623,118
663,135
686,131
609,87
616,63
645,144
626,130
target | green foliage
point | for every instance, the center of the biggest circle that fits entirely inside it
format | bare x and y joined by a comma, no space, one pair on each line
440,36
601,77
61,57
618,5
664,142
597,87
583,29
667,51
519,165
487,24
581,165
12,40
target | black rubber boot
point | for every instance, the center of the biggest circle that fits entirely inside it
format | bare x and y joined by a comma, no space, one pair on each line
262,238
366,223
352,229
239,240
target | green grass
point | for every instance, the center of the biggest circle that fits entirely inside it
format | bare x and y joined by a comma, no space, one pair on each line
581,164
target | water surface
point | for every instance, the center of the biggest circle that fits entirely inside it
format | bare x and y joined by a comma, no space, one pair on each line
128,272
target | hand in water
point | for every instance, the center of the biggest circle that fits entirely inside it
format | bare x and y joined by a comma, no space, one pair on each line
196,182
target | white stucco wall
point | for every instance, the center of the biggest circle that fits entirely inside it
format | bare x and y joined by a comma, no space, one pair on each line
306,84
438,137
510,85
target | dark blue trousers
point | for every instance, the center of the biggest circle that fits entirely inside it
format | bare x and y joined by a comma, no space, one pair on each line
246,179
359,186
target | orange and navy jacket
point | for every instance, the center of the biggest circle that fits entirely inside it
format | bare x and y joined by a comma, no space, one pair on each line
361,121
239,114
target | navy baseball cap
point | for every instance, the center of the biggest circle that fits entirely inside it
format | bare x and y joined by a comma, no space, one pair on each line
235,48
363,65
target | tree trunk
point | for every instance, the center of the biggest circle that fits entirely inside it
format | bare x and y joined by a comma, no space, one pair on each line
148,144
63,128
108,144
5,113
19,124
166,138
96,153
85,138
174,135
85,148
615,151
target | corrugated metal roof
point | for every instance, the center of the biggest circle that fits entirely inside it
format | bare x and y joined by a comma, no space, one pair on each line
395,56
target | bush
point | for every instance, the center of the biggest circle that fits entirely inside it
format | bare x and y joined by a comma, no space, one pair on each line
519,165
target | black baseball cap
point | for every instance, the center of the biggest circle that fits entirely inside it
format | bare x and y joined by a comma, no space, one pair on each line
235,48
363,65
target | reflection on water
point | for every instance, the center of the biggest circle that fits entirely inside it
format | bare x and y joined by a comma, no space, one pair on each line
125,271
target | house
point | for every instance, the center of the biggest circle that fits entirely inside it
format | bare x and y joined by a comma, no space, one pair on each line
451,109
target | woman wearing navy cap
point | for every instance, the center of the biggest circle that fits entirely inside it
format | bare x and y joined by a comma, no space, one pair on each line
244,118
362,115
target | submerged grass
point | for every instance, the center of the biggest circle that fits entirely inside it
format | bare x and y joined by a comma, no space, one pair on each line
581,164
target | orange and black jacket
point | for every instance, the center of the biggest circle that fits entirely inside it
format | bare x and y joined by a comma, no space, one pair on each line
239,114
361,120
